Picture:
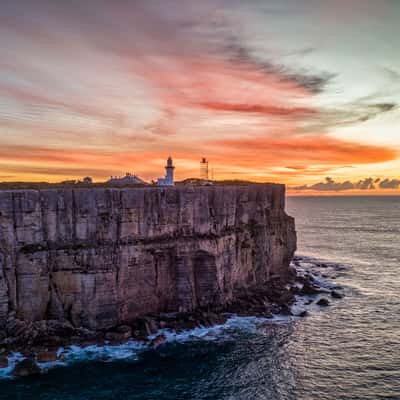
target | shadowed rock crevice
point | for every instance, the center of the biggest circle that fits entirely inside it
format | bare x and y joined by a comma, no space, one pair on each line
205,279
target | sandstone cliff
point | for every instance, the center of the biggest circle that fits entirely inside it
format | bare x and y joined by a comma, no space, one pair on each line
102,257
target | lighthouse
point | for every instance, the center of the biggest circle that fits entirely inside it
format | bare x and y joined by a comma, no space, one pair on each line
169,174
169,169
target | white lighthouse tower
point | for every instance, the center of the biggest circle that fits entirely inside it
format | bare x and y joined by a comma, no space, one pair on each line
169,174
169,168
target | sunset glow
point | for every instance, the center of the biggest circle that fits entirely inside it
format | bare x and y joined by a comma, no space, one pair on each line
290,92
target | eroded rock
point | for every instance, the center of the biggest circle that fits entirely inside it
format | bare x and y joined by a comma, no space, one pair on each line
158,341
303,313
3,361
46,356
26,367
120,334
309,289
323,302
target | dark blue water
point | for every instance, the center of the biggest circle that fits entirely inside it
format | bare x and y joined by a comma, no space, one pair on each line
350,350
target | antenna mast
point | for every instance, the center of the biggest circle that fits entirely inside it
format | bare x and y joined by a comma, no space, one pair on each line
204,169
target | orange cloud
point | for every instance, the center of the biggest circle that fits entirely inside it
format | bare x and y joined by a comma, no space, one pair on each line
50,163
262,109
298,150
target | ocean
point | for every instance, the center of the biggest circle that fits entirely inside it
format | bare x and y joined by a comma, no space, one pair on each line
349,350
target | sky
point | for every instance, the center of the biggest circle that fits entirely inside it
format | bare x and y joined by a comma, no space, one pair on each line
303,92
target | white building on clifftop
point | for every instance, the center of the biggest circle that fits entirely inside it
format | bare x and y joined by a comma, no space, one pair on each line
128,179
169,175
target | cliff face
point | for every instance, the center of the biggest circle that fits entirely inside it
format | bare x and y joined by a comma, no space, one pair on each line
102,257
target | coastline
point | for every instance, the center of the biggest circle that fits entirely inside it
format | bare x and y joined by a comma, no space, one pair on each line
30,353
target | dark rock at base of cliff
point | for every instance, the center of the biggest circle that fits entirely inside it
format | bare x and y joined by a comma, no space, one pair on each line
46,356
26,367
292,273
143,327
303,314
285,310
151,325
323,302
59,328
310,289
119,335
47,334
286,298
254,302
306,278
15,327
3,362
158,341
124,330
86,334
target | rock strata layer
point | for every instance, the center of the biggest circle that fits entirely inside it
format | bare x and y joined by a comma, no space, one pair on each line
96,259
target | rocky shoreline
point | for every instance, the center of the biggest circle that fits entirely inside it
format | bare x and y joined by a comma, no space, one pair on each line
40,341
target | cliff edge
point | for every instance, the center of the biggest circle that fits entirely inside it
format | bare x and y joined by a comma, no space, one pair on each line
99,258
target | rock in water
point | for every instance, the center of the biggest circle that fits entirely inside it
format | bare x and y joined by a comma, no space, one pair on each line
26,367
47,356
336,295
309,289
3,362
158,341
286,310
303,313
120,334
323,302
